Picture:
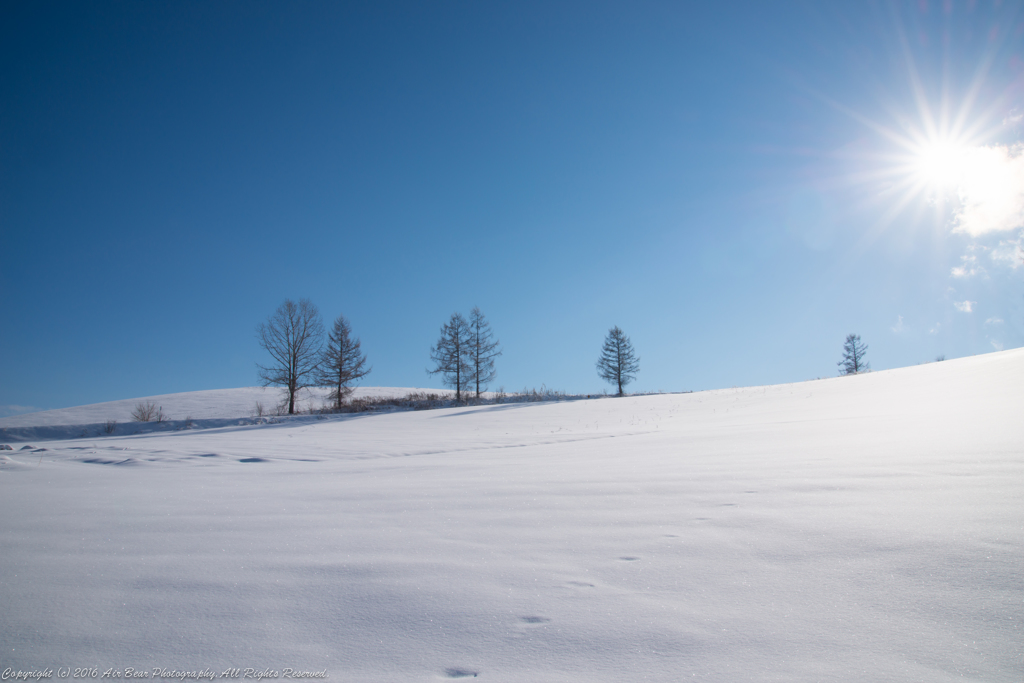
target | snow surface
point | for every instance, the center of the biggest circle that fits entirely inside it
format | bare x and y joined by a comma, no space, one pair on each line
858,528
215,404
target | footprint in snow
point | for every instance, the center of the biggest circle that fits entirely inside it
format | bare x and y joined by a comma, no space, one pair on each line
253,460
629,558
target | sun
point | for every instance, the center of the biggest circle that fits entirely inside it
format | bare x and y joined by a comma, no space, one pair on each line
981,185
940,165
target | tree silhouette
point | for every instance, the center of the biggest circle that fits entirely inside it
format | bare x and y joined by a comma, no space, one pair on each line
618,363
483,349
853,356
451,353
292,336
341,362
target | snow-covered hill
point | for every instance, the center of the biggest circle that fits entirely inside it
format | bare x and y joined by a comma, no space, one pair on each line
855,528
216,404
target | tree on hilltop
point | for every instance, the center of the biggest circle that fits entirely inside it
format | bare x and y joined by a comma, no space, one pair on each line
618,363
451,353
853,356
292,336
483,349
341,362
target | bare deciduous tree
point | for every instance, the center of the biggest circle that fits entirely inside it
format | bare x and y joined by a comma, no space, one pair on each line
292,336
853,356
483,349
341,362
450,355
618,363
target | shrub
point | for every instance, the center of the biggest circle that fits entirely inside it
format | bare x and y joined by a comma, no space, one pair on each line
145,412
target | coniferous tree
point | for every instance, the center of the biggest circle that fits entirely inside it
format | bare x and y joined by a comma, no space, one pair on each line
451,354
292,336
618,363
853,356
341,362
483,349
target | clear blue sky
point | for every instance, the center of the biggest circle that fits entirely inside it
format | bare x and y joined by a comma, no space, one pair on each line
736,185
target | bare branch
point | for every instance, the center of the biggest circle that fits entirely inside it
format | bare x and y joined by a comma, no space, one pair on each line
293,336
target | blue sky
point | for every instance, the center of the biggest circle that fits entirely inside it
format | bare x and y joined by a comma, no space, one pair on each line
736,185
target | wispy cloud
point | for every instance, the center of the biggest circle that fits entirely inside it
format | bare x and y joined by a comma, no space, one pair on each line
899,327
1009,252
996,344
969,268
964,306
994,321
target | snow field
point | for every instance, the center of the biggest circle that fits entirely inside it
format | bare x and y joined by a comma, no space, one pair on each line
856,528
214,404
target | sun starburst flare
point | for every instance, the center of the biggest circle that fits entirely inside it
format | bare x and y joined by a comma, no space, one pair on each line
976,188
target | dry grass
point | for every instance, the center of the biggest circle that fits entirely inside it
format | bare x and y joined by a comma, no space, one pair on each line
421,400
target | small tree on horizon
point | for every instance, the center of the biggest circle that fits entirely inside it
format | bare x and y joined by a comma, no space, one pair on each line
618,363
483,349
341,362
450,355
853,356
292,336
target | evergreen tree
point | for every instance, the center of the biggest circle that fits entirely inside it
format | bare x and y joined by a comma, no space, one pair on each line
451,354
853,356
618,363
483,349
341,362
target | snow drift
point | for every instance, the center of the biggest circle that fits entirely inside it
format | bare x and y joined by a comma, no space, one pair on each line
856,528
